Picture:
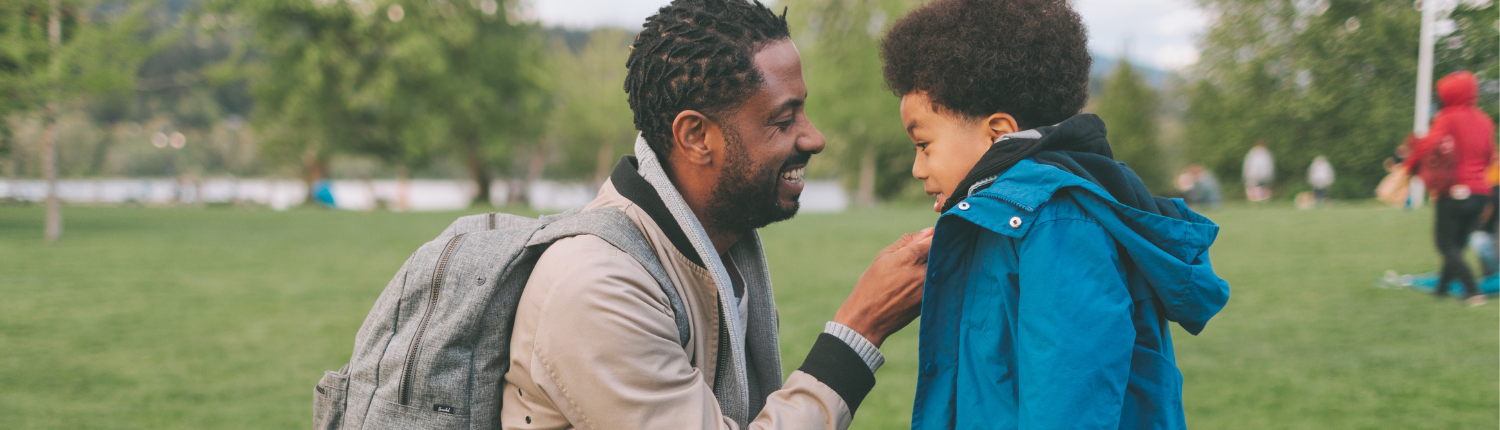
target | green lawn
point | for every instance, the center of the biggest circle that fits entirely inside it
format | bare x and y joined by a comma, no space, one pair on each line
225,318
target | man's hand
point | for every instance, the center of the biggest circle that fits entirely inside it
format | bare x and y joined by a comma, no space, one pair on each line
888,296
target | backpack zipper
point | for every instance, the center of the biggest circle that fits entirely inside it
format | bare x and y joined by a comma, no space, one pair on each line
416,341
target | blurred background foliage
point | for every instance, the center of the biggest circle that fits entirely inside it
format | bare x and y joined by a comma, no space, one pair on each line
1323,77
466,89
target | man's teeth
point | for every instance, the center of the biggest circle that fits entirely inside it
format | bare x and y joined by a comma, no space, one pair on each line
794,175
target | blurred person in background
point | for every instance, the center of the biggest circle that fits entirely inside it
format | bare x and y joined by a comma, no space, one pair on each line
1054,273
1452,160
1320,176
1259,171
1199,186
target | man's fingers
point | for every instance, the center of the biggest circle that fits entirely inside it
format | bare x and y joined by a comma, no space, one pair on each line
907,239
918,250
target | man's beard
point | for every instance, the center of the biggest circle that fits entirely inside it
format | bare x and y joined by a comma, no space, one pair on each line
747,196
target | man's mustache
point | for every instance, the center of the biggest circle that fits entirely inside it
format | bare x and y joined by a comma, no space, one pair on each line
799,158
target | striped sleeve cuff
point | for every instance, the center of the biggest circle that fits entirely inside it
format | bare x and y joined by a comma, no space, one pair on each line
866,350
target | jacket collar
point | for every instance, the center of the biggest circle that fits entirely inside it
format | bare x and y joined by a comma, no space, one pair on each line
1081,133
629,183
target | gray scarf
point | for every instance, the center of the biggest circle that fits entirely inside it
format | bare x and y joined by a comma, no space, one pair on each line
739,398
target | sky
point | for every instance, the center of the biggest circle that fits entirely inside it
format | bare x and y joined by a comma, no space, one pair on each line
1159,33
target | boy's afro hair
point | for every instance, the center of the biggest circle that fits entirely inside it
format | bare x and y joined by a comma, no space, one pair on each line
1027,58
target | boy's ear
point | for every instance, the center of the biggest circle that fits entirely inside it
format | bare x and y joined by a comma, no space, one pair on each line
1000,124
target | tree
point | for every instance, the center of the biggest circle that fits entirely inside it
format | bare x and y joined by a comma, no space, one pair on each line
1474,45
56,52
591,125
471,81
1128,106
403,81
1309,78
848,99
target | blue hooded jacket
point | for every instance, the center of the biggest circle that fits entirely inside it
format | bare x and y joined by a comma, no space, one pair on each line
1047,298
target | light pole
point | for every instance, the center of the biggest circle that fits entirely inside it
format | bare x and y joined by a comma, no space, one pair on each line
1424,68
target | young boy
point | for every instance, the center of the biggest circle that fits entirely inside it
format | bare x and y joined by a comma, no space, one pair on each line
1053,271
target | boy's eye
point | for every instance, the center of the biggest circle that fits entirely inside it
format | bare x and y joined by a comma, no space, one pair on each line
922,146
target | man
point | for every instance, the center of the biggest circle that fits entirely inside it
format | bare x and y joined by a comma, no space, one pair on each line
717,91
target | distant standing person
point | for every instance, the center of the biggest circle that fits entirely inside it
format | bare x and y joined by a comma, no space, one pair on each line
1451,160
1259,170
1320,176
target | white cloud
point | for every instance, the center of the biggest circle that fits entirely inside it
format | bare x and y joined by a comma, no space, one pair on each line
1181,22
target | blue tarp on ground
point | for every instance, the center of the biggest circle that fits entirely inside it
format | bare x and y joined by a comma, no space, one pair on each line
1426,282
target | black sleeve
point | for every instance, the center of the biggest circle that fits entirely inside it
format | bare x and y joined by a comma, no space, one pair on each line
836,364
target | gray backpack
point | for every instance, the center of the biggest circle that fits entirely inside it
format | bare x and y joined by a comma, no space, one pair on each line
433,352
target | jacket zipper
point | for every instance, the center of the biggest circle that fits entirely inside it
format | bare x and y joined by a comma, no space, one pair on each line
416,341
723,355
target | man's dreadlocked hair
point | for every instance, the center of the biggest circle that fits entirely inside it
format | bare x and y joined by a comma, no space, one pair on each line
696,55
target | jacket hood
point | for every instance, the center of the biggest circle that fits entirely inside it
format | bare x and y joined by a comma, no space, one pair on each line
1458,89
1165,240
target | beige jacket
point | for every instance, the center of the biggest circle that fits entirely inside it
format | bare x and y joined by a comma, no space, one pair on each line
595,346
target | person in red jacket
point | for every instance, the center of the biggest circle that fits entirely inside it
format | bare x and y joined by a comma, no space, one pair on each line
1452,159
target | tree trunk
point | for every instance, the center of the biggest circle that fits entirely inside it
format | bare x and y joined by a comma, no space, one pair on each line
606,161
479,172
536,164
865,196
403,190
49,171
53,230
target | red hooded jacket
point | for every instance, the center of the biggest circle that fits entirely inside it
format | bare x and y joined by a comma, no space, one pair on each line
1470,130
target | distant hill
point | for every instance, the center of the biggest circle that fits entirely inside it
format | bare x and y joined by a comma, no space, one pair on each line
1103,64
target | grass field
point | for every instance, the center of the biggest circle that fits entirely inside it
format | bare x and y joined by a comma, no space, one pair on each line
222,318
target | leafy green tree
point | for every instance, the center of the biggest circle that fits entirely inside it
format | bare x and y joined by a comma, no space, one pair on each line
468,82
405,81
55,54
1474,45
1128,106
1321,77
591,125
315,71
848,99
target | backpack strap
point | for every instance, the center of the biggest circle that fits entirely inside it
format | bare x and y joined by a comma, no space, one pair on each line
612,225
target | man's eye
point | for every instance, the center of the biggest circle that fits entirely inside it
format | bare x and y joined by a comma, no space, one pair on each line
786,124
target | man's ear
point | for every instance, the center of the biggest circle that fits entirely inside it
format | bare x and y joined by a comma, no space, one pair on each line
1000,124
691,135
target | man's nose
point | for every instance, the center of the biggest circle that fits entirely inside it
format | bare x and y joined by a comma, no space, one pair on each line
813,142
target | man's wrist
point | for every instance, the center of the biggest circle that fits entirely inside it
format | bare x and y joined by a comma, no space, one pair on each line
859,326
867,350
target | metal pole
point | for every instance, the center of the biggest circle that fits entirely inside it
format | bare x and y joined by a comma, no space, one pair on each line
49,146
1424,69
